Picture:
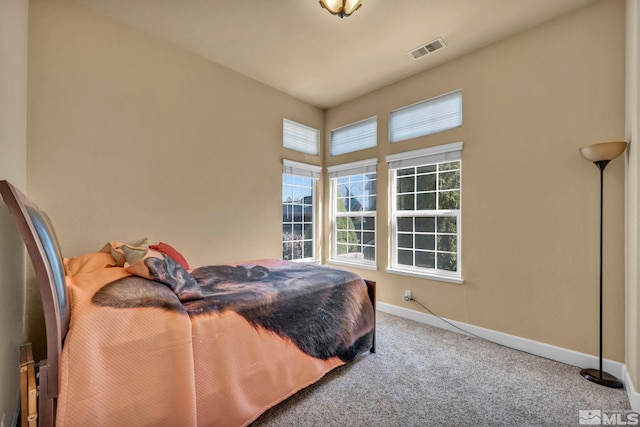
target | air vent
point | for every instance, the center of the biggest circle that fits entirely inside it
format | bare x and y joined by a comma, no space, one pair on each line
430,47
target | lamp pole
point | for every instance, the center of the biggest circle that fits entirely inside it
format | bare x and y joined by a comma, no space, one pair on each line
598,375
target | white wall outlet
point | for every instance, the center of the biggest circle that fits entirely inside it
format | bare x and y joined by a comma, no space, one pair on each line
407,295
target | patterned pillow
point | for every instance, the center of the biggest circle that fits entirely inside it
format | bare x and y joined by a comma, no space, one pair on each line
154,265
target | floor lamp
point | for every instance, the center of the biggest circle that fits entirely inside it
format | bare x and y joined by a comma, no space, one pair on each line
601,154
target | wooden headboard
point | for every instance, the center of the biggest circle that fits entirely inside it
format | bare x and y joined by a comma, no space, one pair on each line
42,245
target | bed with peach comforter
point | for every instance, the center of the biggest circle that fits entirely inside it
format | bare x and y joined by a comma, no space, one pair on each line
152,343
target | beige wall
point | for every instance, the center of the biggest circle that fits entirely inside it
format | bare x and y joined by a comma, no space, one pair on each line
633,192
529,201
130,137
13,167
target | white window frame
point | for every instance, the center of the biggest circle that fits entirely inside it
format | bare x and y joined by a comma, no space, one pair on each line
299,137
362,167
355,136
429,156
434,115
304,170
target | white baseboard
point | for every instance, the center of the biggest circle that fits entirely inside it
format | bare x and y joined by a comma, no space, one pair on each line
634,395
570,357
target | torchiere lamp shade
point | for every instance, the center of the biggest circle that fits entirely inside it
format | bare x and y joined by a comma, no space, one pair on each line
603,151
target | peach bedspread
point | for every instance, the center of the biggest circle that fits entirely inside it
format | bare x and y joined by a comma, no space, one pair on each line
182,364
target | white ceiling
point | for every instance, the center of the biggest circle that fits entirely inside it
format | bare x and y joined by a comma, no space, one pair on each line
301,49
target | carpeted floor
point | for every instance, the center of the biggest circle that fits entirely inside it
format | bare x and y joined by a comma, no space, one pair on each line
426,376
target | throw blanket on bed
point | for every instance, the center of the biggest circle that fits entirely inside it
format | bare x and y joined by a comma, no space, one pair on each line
243,338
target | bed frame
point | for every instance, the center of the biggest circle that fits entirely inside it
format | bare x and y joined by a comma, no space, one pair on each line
42,246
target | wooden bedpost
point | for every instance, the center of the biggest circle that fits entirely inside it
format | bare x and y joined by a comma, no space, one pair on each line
371,290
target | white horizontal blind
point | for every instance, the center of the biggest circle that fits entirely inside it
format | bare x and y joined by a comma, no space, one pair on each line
426,156
427,117
301,169
355,136
298,137
361,167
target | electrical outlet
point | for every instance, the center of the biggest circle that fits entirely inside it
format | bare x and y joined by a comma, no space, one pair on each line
407,295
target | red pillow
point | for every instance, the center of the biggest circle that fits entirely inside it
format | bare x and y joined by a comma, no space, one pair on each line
169,250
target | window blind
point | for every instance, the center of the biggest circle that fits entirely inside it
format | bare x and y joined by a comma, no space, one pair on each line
427,117
355,136
298,137
441,153
301,169
361,167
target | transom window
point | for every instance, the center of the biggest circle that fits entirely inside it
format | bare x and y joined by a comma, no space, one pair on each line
353,189
299,137
425,212
434,115
298,210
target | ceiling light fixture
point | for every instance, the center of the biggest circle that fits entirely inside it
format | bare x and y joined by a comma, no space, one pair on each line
341,8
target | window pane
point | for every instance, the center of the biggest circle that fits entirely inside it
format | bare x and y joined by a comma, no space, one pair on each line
405,224
405,240
426,223
447,262
405,202
407,171
287,232
425,259
341,205
405,257
406,184
426,182
426,241
426,201
450,199
342,249
308,231
287,251
449,180
370,203
447,224
369,253
368,223
369,238
447,243
308,249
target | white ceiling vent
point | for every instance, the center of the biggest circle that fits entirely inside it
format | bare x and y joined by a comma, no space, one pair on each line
430,47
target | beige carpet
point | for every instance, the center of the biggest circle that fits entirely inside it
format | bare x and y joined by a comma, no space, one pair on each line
426,376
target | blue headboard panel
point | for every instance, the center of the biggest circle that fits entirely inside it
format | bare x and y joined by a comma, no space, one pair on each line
49,243
43,249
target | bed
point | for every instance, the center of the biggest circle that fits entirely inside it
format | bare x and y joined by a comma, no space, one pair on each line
135,336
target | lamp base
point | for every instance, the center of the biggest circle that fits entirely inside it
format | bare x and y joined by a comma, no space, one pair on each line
606,379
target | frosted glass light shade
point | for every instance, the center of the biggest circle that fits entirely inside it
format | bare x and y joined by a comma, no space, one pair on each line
341,8
603,151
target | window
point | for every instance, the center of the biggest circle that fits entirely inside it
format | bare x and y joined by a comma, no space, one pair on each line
353,212
354,137
425,212
298,210
427,117
298,137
